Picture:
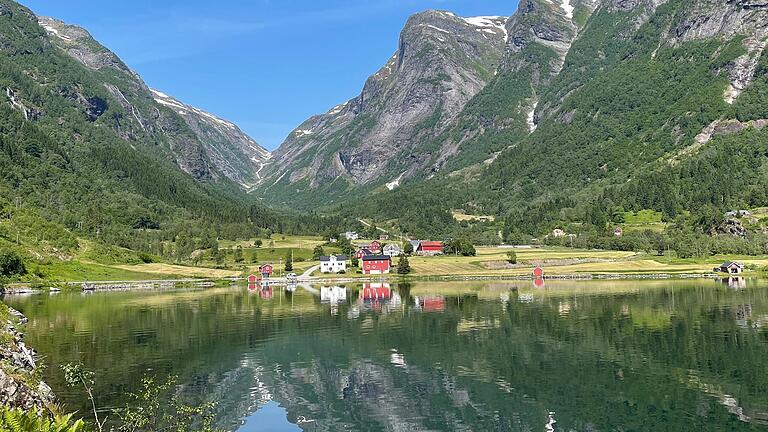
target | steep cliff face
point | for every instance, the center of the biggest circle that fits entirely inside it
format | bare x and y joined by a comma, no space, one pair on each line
442,62
203,145
229,149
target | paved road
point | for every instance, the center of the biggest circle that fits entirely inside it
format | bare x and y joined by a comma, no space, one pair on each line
307,274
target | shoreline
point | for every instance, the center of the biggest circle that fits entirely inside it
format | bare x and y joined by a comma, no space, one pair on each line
148,285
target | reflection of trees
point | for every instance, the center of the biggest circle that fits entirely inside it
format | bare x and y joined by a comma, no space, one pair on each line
649,360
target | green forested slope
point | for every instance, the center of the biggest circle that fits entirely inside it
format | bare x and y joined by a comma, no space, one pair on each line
75,159
617,129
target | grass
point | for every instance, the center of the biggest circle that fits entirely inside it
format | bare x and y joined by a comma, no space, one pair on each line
75,271
611,262
461,217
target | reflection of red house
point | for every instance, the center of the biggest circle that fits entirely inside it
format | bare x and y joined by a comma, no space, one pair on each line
375,247
252,279
430,248
266,270
376,292
252,287
376,264
433,304
267,293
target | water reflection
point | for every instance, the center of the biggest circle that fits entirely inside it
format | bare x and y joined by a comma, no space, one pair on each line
610,355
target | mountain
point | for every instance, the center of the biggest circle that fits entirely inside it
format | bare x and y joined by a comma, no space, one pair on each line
378,137
89,152
202,144
592,107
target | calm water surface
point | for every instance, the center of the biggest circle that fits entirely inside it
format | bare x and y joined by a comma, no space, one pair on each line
570,356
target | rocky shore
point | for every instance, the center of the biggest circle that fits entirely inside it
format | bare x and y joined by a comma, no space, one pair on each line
20,383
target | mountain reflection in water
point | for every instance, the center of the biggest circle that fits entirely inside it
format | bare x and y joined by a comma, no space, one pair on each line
507,356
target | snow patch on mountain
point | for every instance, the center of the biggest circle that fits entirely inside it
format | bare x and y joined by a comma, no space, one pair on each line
489,24
47,25
568,8
436,28
531,119
183,109
395,183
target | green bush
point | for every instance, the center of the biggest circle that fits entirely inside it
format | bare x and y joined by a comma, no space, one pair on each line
16,420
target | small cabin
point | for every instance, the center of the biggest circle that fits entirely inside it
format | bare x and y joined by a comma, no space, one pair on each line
266,270
538,273
361,253
732,268
375,247
252,279
618,232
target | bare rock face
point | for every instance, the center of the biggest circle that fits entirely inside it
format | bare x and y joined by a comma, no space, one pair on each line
442,62
730,227
18,387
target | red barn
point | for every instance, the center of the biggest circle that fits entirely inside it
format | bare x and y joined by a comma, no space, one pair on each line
375,247
266,270
430,248
376,264
252,279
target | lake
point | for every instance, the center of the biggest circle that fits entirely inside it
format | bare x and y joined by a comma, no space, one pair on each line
455,356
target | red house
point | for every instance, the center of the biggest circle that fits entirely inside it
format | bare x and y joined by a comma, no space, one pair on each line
375,247
266,270
376,264
430,248
538,272
252,279
362,252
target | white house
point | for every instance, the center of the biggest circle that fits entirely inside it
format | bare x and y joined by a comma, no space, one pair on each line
333,264
352,235
392,250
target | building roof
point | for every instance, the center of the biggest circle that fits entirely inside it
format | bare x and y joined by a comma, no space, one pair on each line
376,257
731,264
392,247
328,258
431,244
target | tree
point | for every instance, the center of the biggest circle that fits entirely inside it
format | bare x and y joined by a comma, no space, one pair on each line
403,266
408,248
459,247
289,261
239,254
255,257
11,263
318,252
512,257
355,262
345,246
258,243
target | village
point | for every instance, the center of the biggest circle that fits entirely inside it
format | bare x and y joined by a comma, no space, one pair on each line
379,258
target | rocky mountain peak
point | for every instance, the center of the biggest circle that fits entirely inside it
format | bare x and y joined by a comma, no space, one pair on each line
441,63
79,44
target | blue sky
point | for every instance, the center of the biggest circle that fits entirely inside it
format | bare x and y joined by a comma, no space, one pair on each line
266,65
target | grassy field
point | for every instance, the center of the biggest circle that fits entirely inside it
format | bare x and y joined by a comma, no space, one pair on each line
560,261
490,262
